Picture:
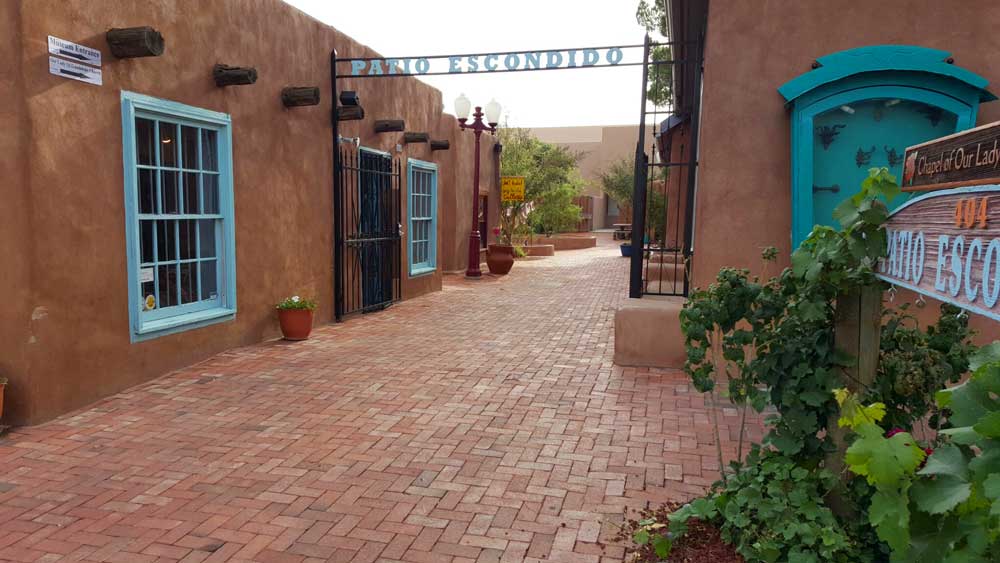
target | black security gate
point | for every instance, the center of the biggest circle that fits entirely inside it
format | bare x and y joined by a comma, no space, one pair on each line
368,225
666,173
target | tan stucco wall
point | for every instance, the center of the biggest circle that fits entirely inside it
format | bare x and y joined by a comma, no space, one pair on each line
744,194
65,336
598,146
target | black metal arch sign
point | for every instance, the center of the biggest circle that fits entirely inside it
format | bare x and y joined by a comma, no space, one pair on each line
483,63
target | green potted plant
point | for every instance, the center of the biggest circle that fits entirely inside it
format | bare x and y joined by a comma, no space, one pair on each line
295,315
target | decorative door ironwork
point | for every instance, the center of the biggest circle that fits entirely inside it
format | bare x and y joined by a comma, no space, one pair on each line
368,232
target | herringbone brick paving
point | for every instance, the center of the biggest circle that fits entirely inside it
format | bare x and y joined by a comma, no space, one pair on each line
485,422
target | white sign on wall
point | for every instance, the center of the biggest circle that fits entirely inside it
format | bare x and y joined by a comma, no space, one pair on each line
74,71
74,51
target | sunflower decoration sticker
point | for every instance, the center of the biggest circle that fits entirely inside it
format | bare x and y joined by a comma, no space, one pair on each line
150,302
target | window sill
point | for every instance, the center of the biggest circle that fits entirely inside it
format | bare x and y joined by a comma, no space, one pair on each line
422,271
180,323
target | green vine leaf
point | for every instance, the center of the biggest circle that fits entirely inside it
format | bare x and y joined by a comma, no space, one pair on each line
940,495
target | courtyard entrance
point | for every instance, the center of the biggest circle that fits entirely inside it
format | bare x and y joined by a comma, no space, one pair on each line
396,437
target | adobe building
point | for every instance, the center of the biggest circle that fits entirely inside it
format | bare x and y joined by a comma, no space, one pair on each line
598,147
154,219
797,100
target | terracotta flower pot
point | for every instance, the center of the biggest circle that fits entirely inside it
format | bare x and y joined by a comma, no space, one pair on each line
500,259
296,324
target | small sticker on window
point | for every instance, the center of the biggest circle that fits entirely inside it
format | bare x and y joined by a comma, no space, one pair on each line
145,275
150,302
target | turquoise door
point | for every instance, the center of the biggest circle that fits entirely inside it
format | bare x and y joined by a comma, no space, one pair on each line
853,137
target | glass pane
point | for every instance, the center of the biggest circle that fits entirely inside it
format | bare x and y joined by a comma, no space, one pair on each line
189,147
147,191
209,279
207,228
189,282
209,150
168,285
146,240
166,241
187,239
148,290
191,193
145,143
210,185
168,189
168,144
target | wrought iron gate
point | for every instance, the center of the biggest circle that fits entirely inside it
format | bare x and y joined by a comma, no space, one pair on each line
665,179
368,229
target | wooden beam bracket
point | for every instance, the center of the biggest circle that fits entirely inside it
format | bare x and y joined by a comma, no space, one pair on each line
132,42
415,137
295,96
350,113
440,145
225,75
389,125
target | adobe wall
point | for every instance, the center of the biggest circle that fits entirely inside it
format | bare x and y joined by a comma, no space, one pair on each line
15,217
69,332
755,47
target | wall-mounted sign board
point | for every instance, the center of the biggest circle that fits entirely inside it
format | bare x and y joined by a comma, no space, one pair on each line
968,158
512,188
946,245
74,51
66,69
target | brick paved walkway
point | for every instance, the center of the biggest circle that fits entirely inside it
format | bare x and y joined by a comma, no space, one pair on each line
485,422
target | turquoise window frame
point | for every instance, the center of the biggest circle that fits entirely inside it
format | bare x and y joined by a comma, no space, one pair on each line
906,72
145,325
430,264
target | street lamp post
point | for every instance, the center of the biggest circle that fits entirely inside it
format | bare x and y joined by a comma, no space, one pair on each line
492,115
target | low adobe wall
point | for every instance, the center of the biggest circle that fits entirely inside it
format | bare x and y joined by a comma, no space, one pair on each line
568,241
539,249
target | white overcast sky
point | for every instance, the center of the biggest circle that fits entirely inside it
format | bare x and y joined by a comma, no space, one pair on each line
602,96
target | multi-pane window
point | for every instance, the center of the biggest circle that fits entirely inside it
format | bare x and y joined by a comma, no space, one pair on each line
179,206
422,211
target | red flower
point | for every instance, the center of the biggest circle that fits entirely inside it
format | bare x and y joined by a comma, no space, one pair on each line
893,432
496,230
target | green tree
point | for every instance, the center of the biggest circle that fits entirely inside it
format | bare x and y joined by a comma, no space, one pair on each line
618,181
653,16
551,182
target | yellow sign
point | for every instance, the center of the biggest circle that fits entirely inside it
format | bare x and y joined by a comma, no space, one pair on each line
512,188
150,302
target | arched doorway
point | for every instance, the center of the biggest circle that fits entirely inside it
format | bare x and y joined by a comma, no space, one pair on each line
860,109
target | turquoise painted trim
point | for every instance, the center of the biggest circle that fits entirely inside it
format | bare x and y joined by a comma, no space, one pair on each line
878,58
142,325
429,265
944,297
803,138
